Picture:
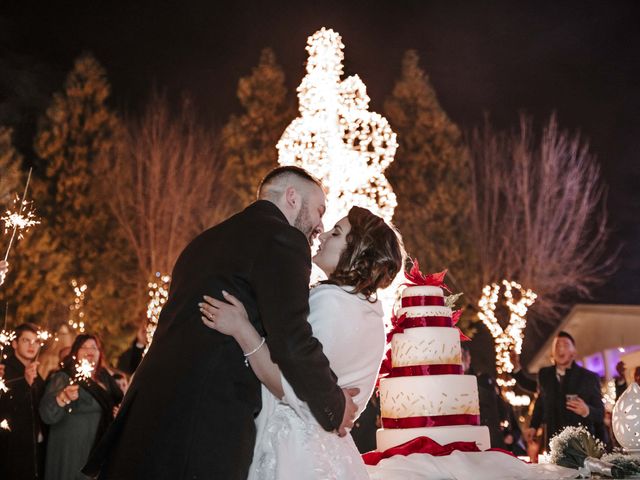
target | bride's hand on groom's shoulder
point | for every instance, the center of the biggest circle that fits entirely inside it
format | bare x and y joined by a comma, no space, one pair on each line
229,318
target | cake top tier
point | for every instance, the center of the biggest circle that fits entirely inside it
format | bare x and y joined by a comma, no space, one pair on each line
422,291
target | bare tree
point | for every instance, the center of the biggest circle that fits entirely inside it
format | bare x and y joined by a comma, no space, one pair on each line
538,214
165,184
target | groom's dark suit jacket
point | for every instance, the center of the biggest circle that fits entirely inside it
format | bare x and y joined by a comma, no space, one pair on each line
189,412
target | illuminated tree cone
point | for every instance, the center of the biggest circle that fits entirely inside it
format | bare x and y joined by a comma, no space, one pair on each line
336,137
509,338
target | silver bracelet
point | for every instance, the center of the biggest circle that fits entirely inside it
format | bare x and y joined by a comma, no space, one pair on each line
247,355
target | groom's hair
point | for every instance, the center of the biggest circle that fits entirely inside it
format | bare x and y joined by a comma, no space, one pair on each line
277,180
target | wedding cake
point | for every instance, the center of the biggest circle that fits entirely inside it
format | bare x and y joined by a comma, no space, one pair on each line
423,389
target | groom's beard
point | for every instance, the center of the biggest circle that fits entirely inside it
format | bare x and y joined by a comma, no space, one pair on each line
303,222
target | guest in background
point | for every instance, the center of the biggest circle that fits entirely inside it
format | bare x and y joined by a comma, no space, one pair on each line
495,412
78,413
131,358
365,427
22,445
636,375
620,379
488,396
568,394
122,380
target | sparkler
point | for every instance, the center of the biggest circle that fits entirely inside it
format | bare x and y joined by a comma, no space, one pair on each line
5,425
21,220
84,370
6,337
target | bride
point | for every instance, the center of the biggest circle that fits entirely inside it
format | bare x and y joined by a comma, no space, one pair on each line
360,255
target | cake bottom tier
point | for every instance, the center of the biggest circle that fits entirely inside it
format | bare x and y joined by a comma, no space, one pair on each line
391,437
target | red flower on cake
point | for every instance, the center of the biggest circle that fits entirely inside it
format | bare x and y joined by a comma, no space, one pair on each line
385,367
416,277
455,318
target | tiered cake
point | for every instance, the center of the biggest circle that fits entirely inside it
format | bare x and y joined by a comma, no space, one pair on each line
425,392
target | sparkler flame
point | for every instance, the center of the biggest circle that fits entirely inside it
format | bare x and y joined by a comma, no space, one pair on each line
3,386
6,337
44,335
84,370
5,425
22,219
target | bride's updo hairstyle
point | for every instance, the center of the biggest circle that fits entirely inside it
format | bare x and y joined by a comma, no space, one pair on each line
373,256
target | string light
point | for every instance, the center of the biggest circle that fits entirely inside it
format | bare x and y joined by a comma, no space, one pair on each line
609,394
510,338
76,316
158,293
340,141
336,137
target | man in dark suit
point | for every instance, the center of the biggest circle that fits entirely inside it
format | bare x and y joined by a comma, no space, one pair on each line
22,442
568,395
189,411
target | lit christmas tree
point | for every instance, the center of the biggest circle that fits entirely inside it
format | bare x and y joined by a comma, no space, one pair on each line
336,137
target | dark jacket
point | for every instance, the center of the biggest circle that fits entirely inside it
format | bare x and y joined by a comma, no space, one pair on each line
130,358
189,411
489,400
550,407
21,455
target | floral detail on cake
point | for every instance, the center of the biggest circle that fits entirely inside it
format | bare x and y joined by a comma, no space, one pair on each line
416,277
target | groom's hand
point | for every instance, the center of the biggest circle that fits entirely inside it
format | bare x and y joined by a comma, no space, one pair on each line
350,410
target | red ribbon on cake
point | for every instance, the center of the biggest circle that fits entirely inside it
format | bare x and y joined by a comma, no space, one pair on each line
419,370
400,323
431,421
422,301
416,277
419,445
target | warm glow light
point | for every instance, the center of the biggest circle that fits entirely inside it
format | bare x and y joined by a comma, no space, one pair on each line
84,369
76,312
336,137
609,394
509,338
158,293
22,219
6,337
339,140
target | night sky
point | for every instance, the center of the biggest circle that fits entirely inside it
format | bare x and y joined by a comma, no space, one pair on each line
579,59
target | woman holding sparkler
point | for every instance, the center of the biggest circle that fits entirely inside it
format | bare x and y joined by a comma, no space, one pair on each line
78,405
360,255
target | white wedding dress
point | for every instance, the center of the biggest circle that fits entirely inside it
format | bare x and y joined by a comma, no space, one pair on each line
290,444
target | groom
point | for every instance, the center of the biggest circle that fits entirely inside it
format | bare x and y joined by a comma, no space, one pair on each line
189,412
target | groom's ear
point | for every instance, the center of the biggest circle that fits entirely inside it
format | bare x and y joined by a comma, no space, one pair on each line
292,197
